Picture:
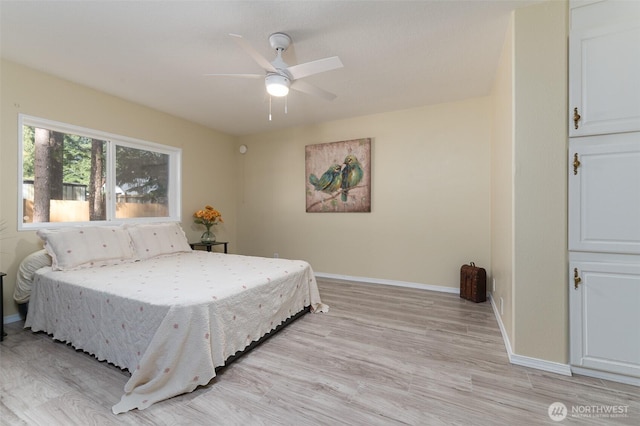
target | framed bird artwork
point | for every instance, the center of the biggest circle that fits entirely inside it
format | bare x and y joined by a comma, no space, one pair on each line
338,176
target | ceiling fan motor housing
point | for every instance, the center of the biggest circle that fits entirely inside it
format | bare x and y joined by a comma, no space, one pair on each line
280,41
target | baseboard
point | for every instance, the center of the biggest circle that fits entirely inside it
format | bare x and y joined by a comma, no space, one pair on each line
634,381
525,361
11,318
367,280
541,364
503,331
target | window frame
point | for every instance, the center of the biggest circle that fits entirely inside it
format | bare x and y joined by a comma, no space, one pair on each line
111,140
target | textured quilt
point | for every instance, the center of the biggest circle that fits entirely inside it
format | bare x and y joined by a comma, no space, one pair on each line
170,320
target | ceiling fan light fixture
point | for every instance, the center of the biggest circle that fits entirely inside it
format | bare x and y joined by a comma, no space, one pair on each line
277,85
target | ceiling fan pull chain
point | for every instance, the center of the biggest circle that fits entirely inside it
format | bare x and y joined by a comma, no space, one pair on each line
286,99
269,108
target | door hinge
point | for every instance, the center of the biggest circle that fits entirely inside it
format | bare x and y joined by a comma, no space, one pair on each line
576,118
576,278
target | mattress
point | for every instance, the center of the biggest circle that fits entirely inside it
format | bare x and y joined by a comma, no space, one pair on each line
170,320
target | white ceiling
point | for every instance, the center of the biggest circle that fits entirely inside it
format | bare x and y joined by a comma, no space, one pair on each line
396,54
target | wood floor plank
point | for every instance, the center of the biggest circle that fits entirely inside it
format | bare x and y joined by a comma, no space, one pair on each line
383,355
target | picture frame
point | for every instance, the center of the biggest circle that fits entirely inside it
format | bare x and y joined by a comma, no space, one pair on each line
338,177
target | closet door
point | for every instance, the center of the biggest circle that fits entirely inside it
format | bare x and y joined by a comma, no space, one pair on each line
604,82
604,194
604,299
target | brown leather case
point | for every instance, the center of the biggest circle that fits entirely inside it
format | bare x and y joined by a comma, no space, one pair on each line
473,283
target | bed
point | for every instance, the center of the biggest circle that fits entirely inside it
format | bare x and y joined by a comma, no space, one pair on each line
168,314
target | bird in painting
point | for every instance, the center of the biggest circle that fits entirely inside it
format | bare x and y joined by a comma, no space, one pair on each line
351,175
330,181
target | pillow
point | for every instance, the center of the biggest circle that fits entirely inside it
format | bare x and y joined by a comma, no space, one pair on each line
27,268
87,246
155,239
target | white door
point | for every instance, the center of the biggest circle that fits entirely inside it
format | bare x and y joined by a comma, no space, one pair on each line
605,316
604,193
604,79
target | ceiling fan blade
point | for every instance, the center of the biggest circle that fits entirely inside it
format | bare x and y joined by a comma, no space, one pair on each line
315,67
310,89
235,75
260,60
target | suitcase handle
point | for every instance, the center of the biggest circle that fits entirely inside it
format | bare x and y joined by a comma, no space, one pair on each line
472,264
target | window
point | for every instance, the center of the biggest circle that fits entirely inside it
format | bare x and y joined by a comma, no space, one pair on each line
71,175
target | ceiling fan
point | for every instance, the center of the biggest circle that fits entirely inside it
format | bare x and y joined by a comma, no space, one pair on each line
280,76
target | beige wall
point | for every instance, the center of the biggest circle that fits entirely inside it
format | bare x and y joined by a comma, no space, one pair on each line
502,186
430,196
206,154
540,291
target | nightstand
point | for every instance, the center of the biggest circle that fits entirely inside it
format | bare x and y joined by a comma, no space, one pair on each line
209,245
2,333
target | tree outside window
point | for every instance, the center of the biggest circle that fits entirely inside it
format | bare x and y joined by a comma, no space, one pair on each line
72,175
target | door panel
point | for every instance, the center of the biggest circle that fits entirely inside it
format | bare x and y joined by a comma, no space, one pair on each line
603,79
605,316
604,194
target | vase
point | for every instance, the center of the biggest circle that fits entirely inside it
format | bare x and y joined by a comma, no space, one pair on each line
208,237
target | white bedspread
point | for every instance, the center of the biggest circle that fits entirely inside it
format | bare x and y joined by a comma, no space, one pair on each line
170,320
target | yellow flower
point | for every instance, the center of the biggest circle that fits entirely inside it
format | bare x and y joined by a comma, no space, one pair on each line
208,216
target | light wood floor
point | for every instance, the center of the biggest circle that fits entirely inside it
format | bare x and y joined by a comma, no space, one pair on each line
381,356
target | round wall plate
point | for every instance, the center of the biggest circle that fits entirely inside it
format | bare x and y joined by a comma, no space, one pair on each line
242,149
